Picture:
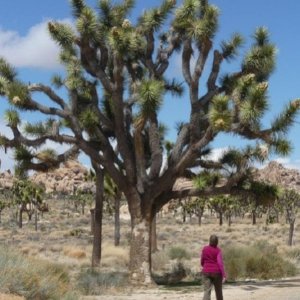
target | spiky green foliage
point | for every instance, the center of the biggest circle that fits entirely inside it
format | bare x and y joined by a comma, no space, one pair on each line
220,114
57,81
230,48
255,104
68,55
151,92
198,20
87,24
281,145
206,179
174,87
12,118
17,94
40,128
7,71
260,60
206,27
287,117
47,155
114,15
89,120
153,19
23,154
265,193
25,191
185,14
77,6
74,78
126,40
261,36
63,34
3,85
236,159
169,146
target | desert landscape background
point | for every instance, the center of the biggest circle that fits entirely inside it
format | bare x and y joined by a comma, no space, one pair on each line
64,239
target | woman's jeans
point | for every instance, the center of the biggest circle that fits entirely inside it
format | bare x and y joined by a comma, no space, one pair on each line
209,280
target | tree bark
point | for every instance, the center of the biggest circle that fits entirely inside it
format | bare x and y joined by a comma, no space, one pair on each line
117,219
153,235
35,219
97,241
20,218
140,252
291,233
92,211
253,217
220,218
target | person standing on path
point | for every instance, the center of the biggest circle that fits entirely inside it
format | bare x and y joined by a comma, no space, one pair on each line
213,273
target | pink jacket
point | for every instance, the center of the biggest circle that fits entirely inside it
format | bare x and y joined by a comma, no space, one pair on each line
212,261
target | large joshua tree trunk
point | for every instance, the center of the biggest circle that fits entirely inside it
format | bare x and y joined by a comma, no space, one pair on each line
140,245
154,235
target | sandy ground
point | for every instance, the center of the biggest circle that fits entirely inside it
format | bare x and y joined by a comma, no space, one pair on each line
288,289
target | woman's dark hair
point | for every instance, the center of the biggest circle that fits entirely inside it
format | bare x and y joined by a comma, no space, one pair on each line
213,240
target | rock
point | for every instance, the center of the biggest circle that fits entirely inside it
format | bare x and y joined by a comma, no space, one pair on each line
276,173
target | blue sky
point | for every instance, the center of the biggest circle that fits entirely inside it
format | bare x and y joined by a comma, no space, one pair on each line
25,43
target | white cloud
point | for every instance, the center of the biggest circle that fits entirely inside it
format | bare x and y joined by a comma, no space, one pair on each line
288,163
6,159
35,49
217,153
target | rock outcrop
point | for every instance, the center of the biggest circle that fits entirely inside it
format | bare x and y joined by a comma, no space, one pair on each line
276,173
6,179
66,179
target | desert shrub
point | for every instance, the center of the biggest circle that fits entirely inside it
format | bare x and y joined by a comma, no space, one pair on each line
92,282
76,232
294,253
159,260
179,253
259,260
32,278
178,272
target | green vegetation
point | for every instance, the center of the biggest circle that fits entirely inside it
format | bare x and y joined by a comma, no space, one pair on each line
32,278
259,260
179,253
92,282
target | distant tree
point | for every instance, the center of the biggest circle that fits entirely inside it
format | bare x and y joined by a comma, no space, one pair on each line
116,81
200,204
220,205
82,198
260,195
112,193
3,204
290,202
28,196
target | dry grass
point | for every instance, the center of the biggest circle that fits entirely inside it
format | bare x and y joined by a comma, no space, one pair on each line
74,252
64,236
114,257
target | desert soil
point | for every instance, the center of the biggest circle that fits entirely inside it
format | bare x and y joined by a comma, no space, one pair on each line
288,289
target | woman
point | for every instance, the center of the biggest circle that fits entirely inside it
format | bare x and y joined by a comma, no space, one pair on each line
212,268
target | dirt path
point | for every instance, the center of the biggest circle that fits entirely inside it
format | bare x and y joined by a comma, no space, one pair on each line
288,289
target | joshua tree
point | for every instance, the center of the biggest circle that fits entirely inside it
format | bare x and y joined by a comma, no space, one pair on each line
27,196
116,82
290,202
112,193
